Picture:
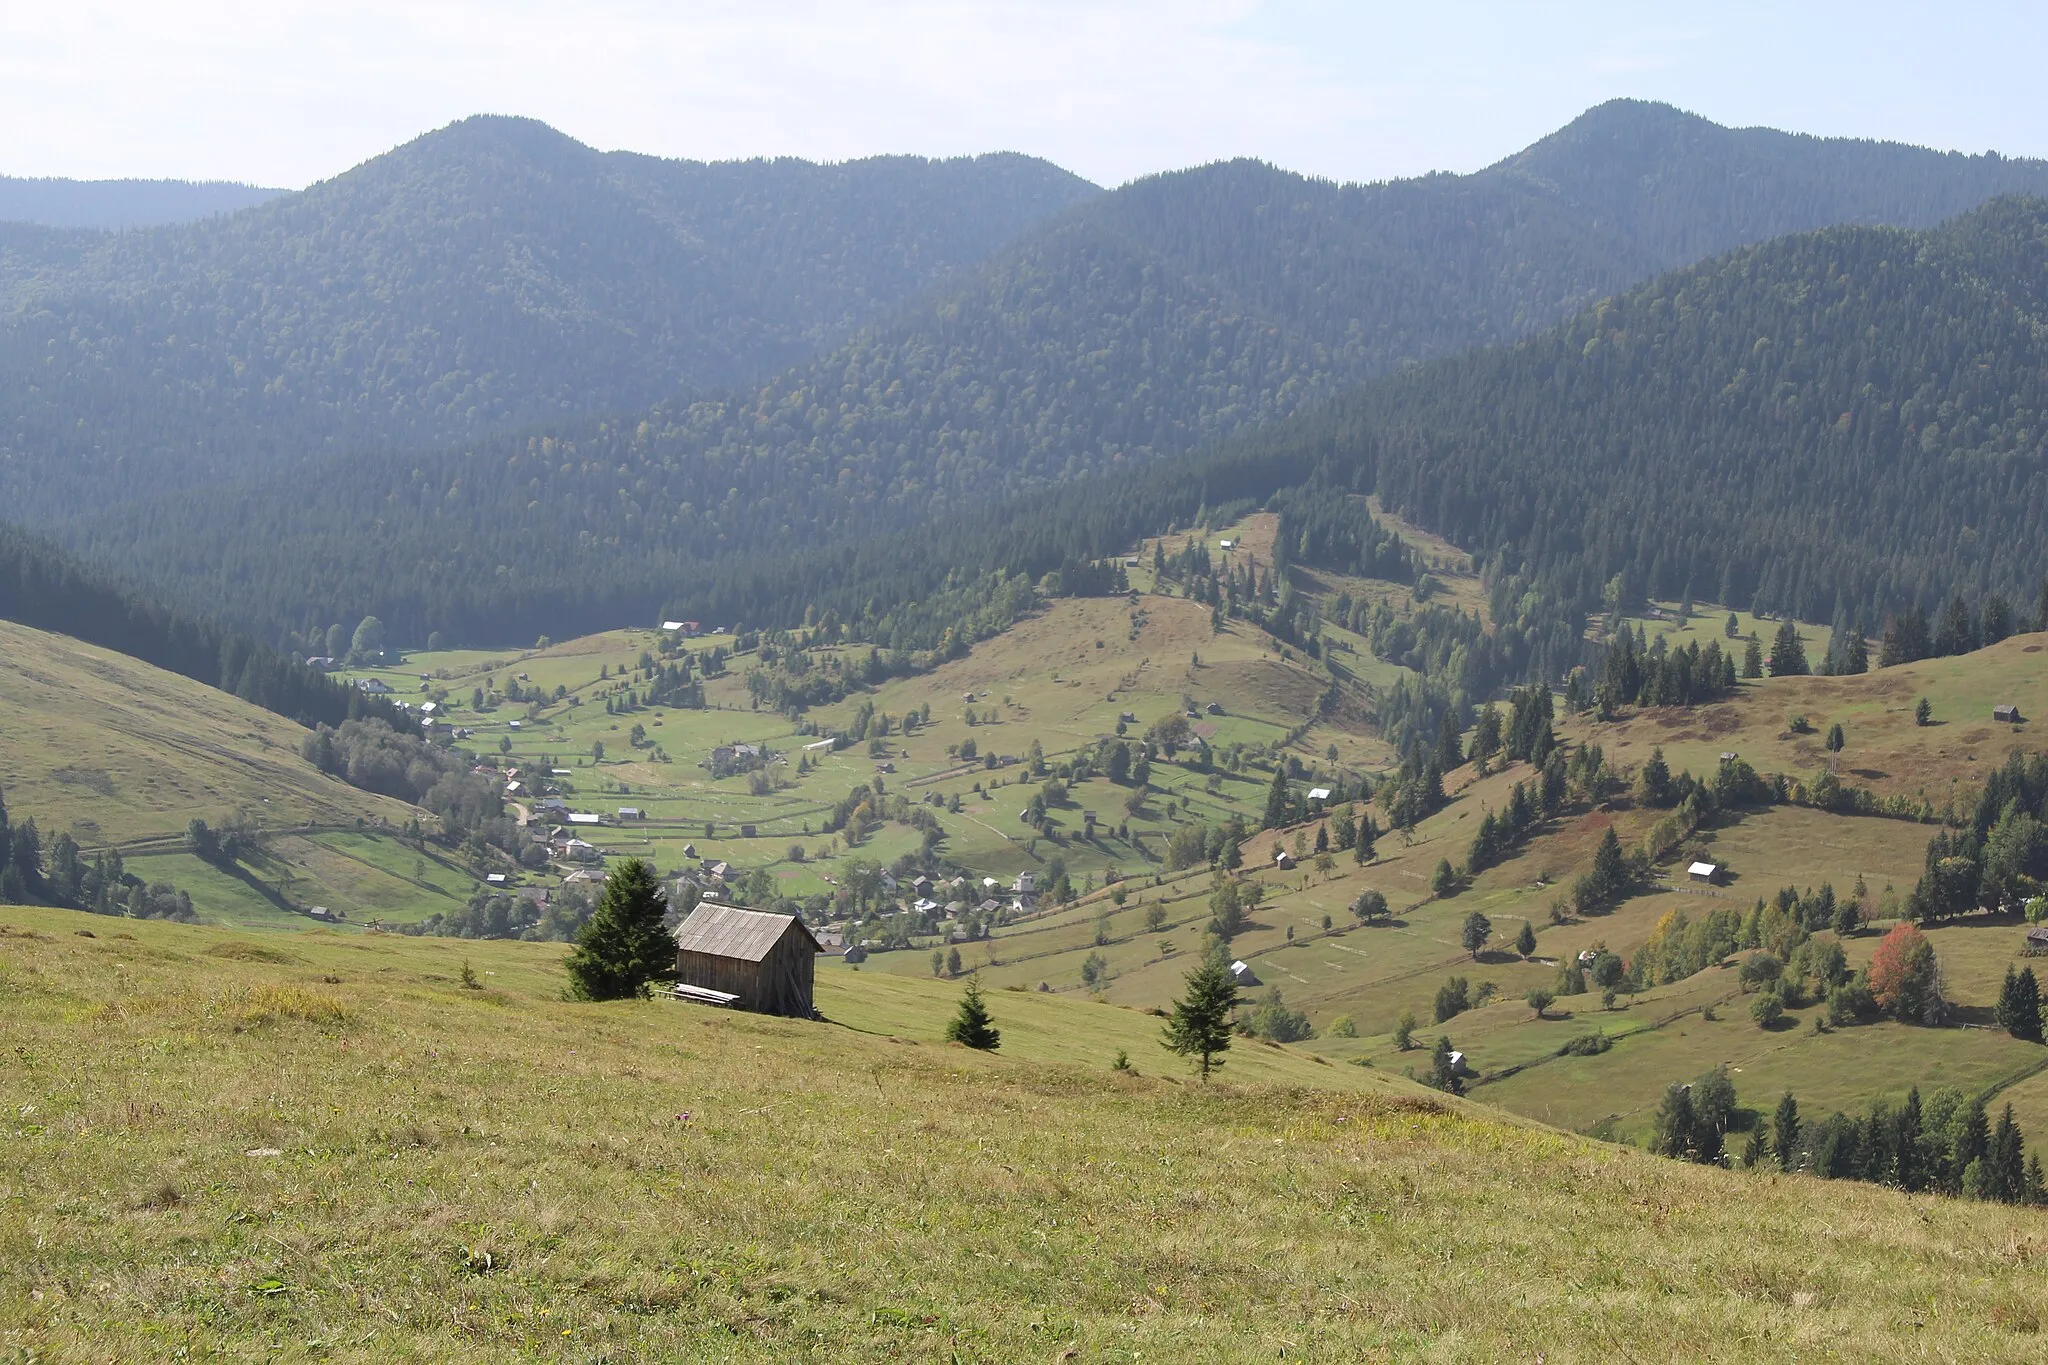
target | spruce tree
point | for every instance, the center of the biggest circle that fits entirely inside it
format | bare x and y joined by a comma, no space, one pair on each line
1276,797
1525,941
1199,1027
1788,652
971,1026
1671,1131
1610,868
624,947
1785,1132
2027,1007
2005,1162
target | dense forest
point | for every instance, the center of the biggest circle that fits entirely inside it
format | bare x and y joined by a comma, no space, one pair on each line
113,204
489,275
1840,425
1152,321
40,586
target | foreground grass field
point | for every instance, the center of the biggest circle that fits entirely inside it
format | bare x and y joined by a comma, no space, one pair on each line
320,1146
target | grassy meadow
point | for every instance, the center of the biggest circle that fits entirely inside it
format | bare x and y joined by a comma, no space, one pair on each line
322,1146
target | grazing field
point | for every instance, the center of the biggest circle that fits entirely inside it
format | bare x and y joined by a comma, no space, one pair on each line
323,1146
1886,751
115,751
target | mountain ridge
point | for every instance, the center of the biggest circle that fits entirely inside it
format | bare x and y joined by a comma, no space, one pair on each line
1171,314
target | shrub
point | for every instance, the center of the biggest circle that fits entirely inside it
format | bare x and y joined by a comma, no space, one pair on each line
1586,1045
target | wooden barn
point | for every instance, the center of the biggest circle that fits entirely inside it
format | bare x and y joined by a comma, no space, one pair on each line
746,959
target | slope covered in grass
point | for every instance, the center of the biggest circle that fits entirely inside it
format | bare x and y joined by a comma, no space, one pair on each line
115,750
326,1148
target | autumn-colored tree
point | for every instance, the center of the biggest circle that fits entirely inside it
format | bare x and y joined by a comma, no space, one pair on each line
1904,977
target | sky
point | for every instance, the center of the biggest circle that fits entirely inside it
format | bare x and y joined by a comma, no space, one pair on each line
287,92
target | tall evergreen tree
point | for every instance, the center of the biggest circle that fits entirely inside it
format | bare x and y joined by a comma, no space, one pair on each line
623,948
1788,652
1785,1132
2019,1005
2005,1167
1199,1027
1276,797
1671,1131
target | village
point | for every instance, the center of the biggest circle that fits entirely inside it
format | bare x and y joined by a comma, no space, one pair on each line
930,810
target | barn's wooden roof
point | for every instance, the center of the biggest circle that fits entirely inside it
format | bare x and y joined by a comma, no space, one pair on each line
736,932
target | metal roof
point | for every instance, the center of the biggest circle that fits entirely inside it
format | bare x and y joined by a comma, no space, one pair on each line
735,932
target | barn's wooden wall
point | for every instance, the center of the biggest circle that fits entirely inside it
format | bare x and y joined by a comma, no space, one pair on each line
781,983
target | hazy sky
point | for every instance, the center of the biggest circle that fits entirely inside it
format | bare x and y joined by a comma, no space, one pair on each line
285,92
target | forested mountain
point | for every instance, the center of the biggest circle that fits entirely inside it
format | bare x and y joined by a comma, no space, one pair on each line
492,274
1146,322
115,204
1852,419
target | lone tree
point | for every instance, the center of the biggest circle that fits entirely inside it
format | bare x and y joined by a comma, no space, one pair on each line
971,1025
1525,941
1923,712
624,947
1199,1027
1541,1000
1478,928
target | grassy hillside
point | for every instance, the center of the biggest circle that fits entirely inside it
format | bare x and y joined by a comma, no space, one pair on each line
120,754
1060,680
322,1147
117,751
1304,940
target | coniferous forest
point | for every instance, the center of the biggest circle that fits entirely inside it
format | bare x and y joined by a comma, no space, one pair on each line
1158,320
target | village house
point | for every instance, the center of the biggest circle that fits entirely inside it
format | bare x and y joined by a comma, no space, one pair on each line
1283,860
1319,793
746,959
2007,714
1243,975
629,813
376,687
1710,873
1025,884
